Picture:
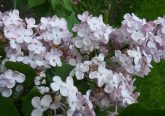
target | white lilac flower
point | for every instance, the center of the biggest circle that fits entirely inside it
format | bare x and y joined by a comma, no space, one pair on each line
99,60
10,32
53,57
81,105
53,60
56,30
70,84
127,98
131,32
136,54
11,18
30,22
72,100
133,61
35,60
19,88
68,90
113,83
91,32
43,89
44,23
8,79
57,36
95,23
24,35
65,88
102,75
124,91
33,43
36,47
84,16
159,20
80,70
41,105
58,85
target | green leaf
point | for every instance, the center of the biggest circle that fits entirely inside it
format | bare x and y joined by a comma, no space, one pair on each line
141,110
2,53
34,3
45,8
58,8
151,9
82,85
100,113
68,5
25,69
63,72
152,87
7,108
27,106
71,20
55,3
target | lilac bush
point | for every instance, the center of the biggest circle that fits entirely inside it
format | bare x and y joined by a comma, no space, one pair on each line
108,58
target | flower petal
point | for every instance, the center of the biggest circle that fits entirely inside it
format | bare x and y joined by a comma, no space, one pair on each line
7,93
37,112
36,102
55,86
46,100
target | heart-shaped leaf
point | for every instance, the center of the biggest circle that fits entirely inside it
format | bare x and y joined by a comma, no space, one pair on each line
7,108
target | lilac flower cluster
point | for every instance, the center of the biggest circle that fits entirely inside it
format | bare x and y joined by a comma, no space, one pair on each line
106,57
8,80
91,32
145,42
37,45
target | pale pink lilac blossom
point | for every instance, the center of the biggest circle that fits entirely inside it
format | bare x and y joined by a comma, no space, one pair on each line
8,80
135,44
